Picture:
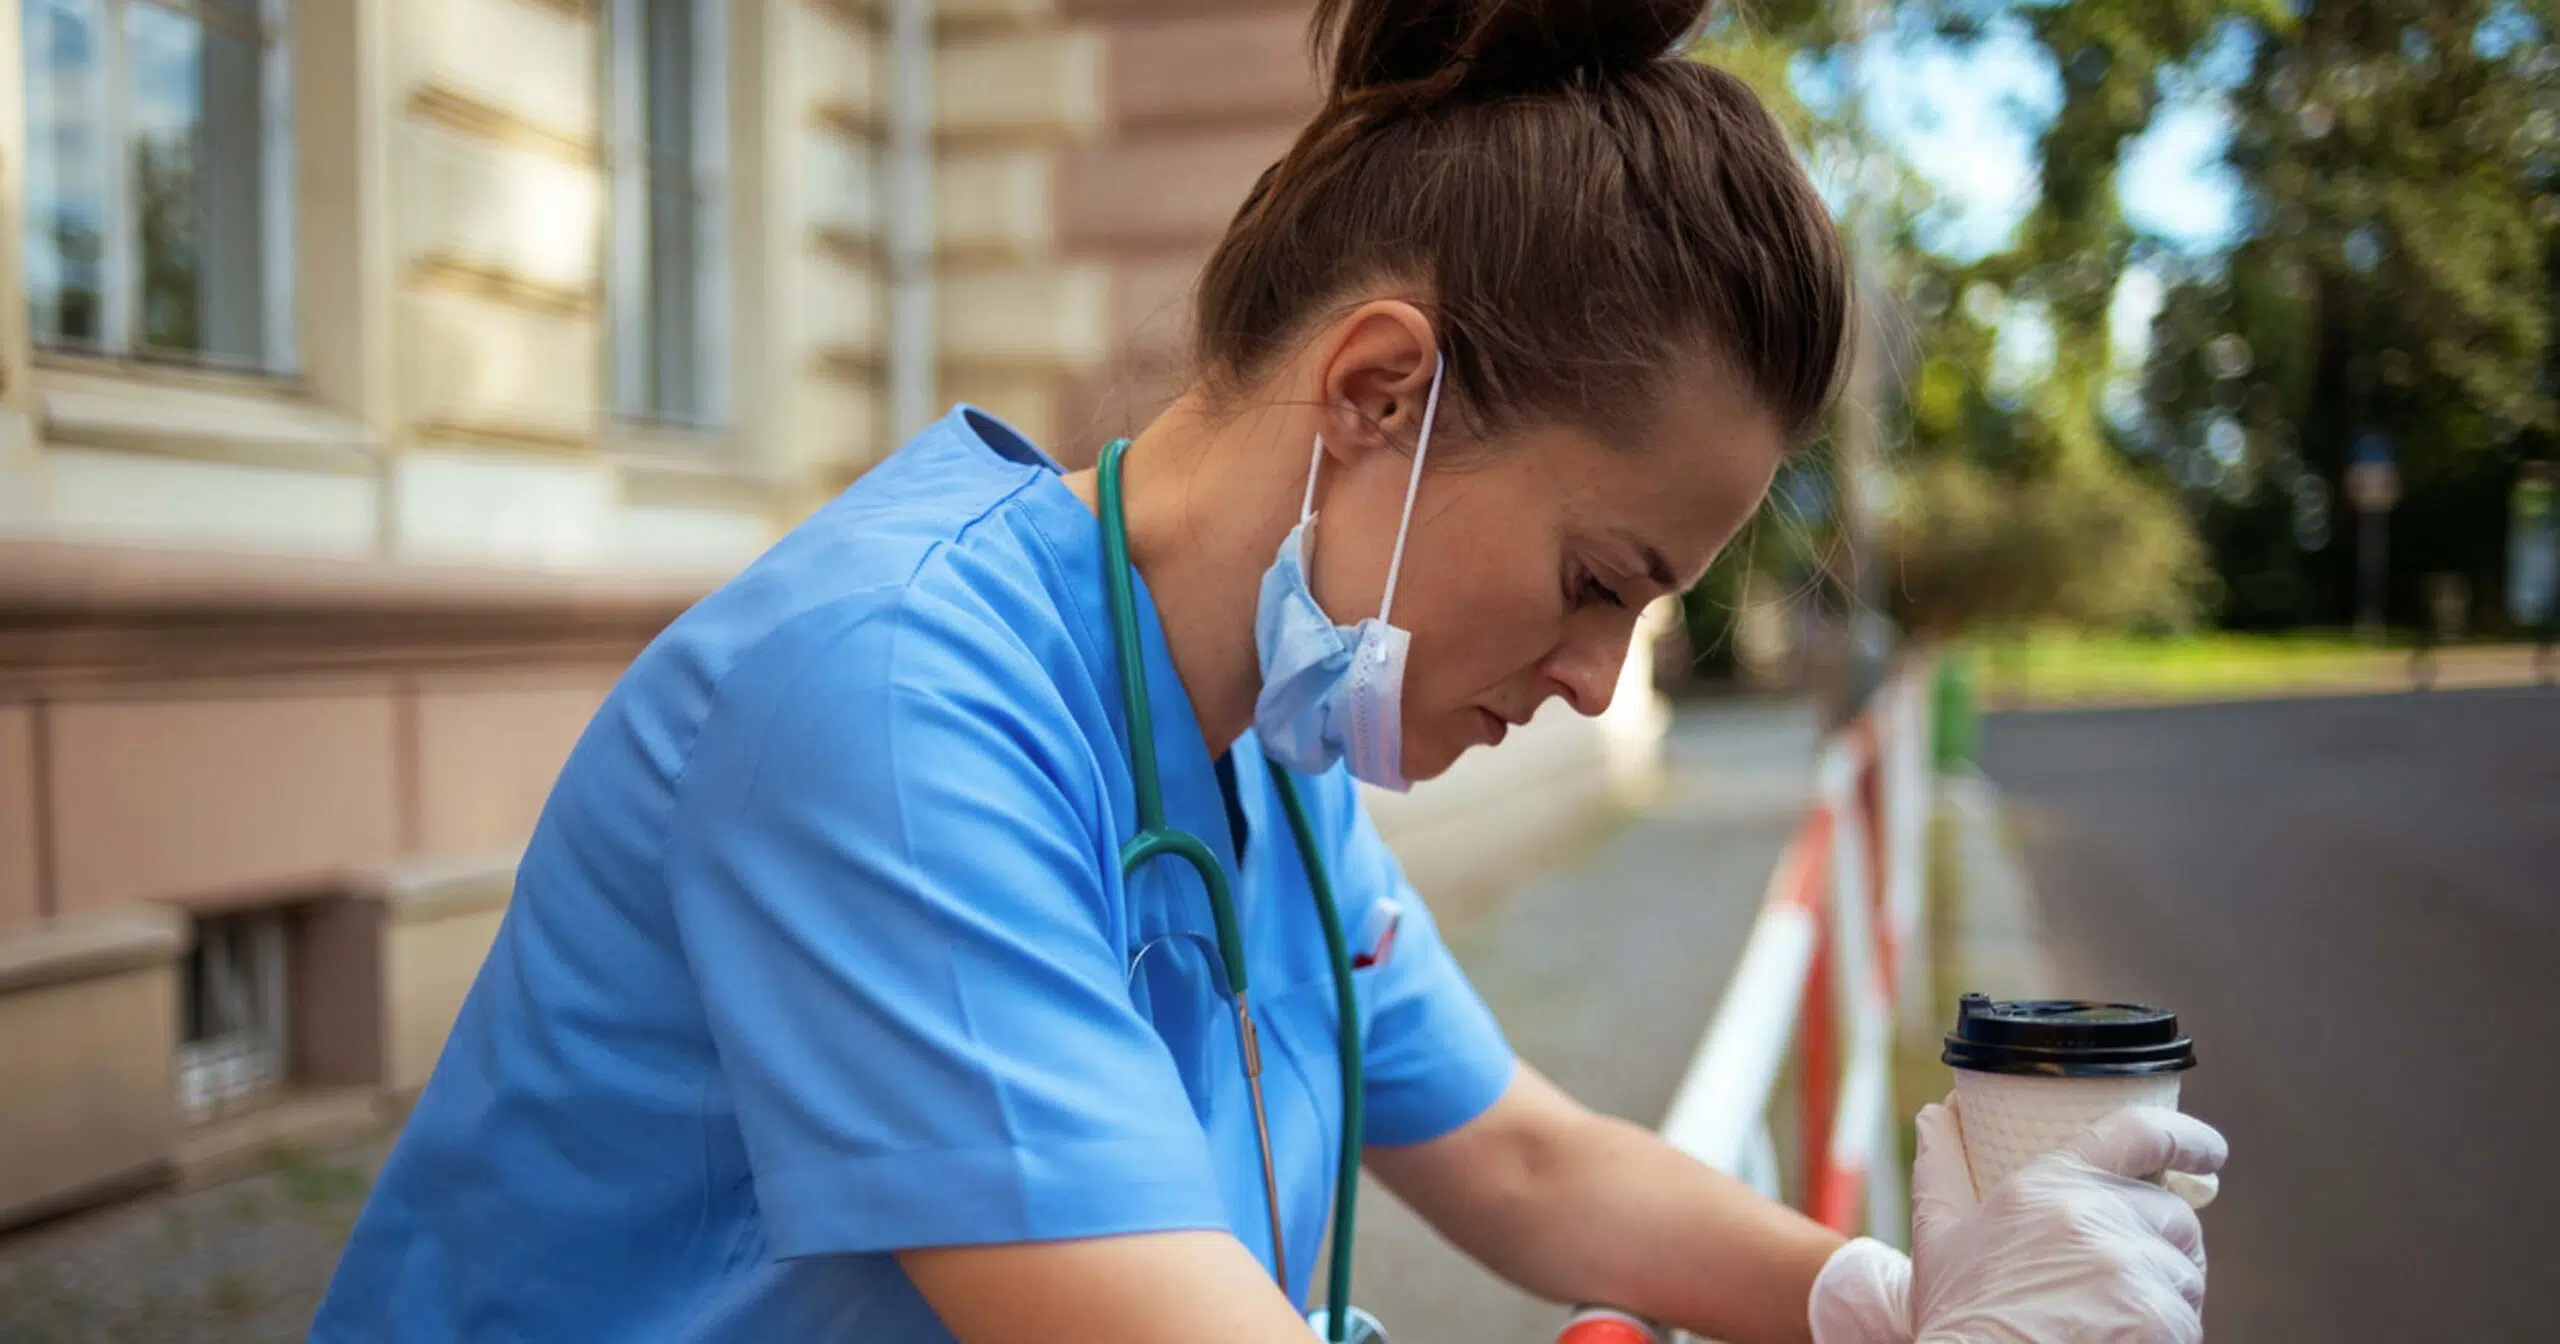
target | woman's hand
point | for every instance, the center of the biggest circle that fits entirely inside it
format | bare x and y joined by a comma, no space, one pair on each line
2081,1244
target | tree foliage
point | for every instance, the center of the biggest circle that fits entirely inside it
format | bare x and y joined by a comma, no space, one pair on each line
2015,504
2390,280
2392,288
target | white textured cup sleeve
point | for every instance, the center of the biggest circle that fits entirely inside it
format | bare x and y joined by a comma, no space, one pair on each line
1862,1296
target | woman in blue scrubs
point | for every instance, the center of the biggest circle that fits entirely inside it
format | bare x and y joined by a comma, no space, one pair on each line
825,1009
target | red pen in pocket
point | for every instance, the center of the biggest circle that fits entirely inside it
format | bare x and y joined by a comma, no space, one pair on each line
1377,939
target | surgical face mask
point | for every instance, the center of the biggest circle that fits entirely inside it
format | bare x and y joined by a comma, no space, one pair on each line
1333,692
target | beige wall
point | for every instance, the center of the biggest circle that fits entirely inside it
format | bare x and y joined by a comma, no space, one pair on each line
428,966
366,751
488,748
451,212
448,221
214,792
381,969
1156,123
177,733
203,793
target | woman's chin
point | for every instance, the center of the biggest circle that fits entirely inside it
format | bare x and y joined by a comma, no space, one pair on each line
1430,758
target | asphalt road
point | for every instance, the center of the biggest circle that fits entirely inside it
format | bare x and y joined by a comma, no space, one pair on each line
2355,906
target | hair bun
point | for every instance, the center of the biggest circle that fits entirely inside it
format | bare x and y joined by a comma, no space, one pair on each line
1429,51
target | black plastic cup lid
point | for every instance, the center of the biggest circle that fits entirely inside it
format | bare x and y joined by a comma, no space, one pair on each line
2066,1038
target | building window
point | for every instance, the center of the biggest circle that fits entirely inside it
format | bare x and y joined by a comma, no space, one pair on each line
160,180
669,295
232,1024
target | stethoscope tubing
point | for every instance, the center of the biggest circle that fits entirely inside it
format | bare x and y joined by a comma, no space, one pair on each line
1155,839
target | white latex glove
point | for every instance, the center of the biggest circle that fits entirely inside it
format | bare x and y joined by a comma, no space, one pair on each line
1863,1296
2079,1244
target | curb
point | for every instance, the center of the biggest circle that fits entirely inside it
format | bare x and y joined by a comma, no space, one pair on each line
1986,933
1992,929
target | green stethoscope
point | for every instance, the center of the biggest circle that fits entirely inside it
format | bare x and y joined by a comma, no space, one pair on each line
1155,839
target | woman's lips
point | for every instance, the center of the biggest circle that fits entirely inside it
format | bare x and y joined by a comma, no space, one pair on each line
1494,728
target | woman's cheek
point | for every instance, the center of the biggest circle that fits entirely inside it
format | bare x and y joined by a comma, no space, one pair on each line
1497,640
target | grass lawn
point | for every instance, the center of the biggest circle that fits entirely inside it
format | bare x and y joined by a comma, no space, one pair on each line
2059,667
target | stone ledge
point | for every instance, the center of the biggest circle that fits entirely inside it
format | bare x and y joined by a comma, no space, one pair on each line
711,476
100,581
239,1145
89,947
409,891
419,893
247,422
90,1195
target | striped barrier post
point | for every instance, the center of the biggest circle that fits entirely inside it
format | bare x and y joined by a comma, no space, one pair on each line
1823,973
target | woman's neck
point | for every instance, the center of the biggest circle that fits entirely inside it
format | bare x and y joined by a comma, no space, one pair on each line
1207,502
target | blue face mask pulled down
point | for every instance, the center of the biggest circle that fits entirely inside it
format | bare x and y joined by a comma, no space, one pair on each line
1333,692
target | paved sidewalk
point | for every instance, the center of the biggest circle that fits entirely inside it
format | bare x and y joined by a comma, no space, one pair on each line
1603,968
244,1262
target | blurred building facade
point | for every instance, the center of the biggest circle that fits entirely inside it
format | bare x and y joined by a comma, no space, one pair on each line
377,376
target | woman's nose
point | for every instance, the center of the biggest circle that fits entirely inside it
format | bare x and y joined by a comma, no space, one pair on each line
1585,669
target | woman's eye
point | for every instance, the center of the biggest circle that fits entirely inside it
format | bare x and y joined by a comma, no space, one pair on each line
1595,593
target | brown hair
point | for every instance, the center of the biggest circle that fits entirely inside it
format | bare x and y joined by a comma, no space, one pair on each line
1577,204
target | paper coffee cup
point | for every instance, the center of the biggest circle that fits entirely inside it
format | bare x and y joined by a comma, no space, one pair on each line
2032,1074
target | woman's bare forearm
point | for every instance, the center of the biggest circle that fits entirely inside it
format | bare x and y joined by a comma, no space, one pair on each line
1580,1207
1154,1288
1686,1244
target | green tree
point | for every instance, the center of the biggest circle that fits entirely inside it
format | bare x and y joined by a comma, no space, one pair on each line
2393,281
1998,521
2010,505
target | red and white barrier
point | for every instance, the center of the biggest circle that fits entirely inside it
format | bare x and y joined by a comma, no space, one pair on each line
1828,964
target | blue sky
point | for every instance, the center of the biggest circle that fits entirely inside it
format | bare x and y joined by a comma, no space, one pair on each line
1965,117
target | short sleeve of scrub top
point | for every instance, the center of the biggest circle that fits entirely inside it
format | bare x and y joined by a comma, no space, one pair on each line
897,916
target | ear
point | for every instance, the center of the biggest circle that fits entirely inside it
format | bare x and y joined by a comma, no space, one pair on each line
1377,378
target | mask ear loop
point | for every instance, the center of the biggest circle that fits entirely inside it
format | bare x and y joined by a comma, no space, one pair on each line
1412,487
1307,506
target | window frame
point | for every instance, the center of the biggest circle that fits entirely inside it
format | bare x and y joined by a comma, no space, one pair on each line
235,1025
631,341
120,247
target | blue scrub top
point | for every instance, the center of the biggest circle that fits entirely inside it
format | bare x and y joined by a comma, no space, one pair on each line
821,950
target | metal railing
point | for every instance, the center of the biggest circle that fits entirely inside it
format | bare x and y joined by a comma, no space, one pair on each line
1828,965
